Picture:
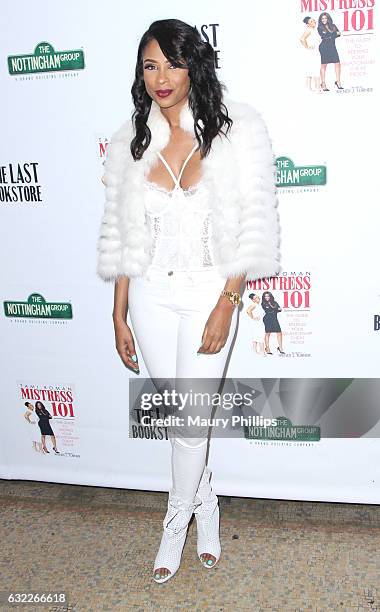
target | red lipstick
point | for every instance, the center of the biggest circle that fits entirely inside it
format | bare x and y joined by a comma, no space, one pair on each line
163,93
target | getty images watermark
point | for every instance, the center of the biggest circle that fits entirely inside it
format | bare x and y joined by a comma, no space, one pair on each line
190,404
286,409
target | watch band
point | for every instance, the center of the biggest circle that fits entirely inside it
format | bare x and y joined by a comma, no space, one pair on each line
233,296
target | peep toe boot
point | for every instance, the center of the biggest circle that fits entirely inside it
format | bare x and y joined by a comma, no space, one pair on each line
207,518
173,539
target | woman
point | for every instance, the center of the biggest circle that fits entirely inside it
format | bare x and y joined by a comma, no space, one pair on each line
258,327
190,211
32,431
271,308
310,39
329,55
44,425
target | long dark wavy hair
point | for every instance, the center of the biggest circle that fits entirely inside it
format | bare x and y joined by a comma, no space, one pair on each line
40,409
330,24
183,46
271,303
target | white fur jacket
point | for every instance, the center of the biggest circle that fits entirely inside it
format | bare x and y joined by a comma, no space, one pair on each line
240,174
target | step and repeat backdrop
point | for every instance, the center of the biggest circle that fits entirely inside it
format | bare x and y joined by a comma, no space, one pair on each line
65,77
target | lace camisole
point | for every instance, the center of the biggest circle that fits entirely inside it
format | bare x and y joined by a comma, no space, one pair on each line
180,223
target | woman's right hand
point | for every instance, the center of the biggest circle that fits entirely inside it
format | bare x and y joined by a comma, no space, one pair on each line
125,345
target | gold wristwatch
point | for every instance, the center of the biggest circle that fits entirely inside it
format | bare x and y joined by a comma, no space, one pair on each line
233,296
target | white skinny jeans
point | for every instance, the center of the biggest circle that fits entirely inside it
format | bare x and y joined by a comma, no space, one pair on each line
168,313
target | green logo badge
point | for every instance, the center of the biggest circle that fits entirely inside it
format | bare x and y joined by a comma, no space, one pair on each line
46,59
38,308
289,175
284,430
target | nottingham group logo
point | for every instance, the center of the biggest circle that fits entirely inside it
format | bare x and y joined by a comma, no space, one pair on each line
36,307
289,175
284,430
46,59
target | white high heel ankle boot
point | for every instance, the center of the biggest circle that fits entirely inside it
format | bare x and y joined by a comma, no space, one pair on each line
207,517
173,539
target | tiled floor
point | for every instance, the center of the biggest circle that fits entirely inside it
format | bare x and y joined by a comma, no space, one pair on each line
98,546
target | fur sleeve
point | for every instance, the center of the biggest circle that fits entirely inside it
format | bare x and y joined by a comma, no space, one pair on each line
109,244
259,235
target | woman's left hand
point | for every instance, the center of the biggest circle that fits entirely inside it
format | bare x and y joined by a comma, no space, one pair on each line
217,328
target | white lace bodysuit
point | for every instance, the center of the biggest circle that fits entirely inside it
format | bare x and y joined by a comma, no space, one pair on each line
180,223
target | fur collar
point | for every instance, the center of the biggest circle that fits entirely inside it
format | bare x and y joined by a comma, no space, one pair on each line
160,128
160,131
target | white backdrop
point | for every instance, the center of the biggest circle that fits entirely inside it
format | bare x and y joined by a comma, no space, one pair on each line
61,120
